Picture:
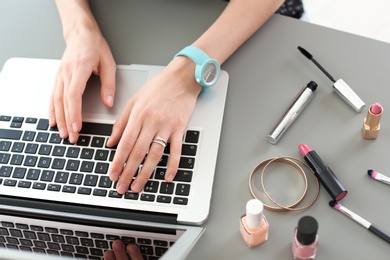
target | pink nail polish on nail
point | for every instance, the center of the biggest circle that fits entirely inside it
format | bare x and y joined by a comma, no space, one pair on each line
254,225
305,240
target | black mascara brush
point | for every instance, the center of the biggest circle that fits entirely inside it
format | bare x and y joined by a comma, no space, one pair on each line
339,86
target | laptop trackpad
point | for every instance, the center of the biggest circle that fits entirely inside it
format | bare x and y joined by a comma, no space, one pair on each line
128,81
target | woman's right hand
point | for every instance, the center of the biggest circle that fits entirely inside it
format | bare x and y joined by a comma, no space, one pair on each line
86,52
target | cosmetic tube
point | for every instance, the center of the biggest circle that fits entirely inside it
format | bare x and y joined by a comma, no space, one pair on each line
254,225
292,112
305,240
371,124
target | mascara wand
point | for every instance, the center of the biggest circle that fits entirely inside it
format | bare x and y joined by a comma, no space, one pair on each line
339,86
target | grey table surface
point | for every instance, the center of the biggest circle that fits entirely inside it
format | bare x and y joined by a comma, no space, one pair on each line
265,75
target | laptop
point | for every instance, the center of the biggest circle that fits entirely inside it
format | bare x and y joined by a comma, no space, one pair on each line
51,188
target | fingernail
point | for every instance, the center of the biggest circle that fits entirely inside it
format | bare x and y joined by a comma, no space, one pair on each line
170,178
136,187
114,176
62,132
122,188
110,100
75,128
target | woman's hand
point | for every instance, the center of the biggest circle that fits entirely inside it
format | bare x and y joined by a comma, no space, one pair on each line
120,252
160,109
86,52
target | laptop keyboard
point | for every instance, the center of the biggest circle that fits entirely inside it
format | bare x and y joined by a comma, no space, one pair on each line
78,241
36,162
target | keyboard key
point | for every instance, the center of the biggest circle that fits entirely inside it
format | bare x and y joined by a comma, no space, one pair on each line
5,145
39,185
187,162
69,189
19,173
72,165
180,201
189,149
24,184
44,149
96,129
5,171
9,182
43,124
167,188
17,147
84,191
182,189
99,192
192,136
42,137
54,187
4,158
33,174
98,142
183,175
147,197
83,140
5,118
164,199
31,120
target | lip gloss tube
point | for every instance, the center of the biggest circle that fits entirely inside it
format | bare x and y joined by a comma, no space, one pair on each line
254,225
292,112
305,240
326,176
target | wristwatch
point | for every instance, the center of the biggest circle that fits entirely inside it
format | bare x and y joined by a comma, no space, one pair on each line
207,70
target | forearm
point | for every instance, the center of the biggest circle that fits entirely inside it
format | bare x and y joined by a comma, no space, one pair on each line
76,17
236,24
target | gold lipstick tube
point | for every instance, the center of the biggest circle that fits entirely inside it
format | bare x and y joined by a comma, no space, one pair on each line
371,125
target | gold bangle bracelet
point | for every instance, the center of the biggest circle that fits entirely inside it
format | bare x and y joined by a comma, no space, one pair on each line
290,161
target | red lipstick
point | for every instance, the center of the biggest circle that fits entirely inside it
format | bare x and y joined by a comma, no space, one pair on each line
323,173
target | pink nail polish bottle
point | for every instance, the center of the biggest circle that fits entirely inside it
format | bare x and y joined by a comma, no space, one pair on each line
305,240
254,226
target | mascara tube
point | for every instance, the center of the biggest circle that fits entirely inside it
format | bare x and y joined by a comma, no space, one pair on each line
292,112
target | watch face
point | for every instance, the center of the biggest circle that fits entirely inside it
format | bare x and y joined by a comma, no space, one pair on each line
210,73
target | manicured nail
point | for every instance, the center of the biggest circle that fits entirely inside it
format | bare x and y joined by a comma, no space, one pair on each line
170,178
75,128
122,188
110,100
136,187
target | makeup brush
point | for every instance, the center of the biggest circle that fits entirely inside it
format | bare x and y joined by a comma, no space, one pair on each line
339,86
379,176
360,220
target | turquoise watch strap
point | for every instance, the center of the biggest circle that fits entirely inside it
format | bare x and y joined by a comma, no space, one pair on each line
195,54
207,70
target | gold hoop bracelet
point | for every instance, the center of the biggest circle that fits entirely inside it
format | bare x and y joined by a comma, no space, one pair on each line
290,161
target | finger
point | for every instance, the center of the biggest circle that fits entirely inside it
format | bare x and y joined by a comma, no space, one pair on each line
134,252
109,255
74,100
174,156
119,250
125,147
107,79
59,112
120,125
135,158
152,159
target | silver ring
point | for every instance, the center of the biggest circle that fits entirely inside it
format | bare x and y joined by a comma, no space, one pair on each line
160,140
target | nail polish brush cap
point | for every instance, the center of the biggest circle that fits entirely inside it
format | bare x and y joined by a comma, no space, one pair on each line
349,96
307,230
254,213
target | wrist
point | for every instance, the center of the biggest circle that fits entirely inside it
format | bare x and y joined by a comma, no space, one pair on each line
183,68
